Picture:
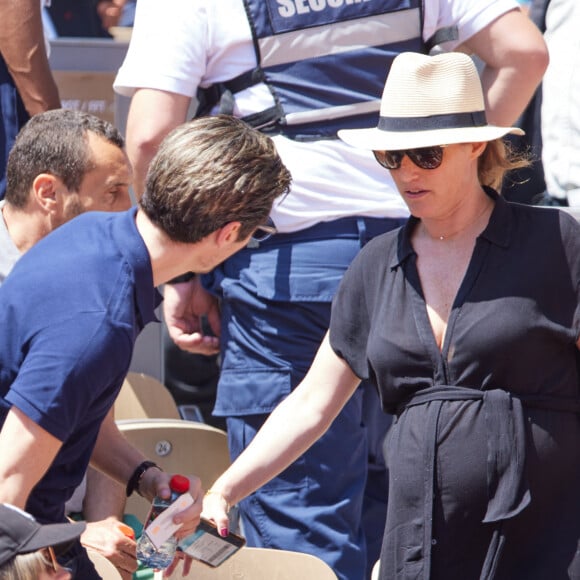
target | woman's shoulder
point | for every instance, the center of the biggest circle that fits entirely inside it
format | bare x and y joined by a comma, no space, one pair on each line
374,258
550,231
565,218
384,245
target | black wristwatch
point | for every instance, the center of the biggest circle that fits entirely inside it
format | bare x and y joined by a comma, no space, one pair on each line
133,483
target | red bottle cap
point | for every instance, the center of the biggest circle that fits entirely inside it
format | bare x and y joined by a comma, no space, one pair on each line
179,484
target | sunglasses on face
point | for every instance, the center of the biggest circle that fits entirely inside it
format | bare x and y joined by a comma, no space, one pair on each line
423,157
264,231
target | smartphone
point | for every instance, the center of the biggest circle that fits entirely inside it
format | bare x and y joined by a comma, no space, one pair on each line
207,546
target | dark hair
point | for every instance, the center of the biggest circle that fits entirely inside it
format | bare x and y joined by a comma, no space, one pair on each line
209,172
54,142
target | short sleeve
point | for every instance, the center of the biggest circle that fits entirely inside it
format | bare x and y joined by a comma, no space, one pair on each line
571,241
71,371
167,50
349,323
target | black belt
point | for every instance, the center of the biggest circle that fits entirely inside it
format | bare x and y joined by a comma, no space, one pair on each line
508,491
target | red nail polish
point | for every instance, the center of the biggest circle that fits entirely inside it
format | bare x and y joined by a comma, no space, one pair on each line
223,532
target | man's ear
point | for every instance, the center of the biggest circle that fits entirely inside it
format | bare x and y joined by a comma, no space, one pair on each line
228,233
44,191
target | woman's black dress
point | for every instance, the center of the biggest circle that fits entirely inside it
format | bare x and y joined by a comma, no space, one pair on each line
484,455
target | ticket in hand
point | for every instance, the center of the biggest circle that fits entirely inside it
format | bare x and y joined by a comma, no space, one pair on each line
162,527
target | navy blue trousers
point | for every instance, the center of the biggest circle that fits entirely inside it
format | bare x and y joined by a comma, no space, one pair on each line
276,301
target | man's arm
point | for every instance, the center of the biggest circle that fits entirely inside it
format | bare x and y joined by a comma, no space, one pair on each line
152,115
110,12
116,457
515,57
103,509
22,47
27,453
184,305
104,497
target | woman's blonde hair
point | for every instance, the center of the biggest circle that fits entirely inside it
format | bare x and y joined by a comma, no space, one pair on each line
498,158
25,567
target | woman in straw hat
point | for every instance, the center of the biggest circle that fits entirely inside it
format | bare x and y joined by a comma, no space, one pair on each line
467,320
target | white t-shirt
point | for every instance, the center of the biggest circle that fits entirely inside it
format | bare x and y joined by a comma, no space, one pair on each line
47,25
560,105
179,45
9,253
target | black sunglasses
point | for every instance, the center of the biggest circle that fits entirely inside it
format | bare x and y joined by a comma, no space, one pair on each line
423,157
264,231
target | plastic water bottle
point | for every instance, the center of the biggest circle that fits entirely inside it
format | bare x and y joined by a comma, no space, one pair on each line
147,554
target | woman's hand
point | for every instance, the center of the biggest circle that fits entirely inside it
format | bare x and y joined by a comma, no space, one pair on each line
215,509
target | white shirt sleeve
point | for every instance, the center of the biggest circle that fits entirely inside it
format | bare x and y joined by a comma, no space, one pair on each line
179,45
470,16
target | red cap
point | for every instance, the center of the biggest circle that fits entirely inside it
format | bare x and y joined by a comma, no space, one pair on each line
179,484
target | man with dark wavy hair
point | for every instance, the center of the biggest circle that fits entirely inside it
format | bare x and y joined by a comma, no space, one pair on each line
90,288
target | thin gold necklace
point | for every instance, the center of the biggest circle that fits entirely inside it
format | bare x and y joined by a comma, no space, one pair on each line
444,237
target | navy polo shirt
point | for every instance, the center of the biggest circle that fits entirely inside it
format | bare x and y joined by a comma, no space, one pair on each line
72,308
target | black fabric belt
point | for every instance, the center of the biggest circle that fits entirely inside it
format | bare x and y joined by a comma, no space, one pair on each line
508,490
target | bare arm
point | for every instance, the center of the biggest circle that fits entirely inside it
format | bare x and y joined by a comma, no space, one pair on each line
27,452
22,47
103,508
515,57
110,12
152,115
113,454
107,538
295,424
104,497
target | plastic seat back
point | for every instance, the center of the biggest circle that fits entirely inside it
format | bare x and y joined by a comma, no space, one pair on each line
143,396
260,564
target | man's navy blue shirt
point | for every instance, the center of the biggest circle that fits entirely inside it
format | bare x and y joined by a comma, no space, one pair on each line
71,311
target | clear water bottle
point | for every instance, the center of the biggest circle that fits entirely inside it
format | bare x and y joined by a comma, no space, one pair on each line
147,554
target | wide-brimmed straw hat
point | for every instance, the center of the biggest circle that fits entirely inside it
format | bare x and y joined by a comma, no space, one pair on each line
429,100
